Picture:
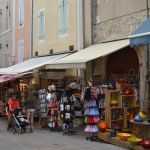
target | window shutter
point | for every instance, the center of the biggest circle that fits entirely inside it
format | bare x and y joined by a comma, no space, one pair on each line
63,16
21,12
20,51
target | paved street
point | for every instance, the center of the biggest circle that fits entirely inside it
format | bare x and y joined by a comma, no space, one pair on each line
46,140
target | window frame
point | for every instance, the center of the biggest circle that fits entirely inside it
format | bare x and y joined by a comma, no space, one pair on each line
20,59
42,34
63,3
21,16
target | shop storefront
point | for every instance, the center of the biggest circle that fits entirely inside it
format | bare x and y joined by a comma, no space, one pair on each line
115,69
21,78
108,63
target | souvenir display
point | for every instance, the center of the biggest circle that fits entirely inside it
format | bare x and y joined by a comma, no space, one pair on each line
67,111
91,112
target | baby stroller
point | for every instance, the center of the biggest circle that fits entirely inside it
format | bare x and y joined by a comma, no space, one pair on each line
18,125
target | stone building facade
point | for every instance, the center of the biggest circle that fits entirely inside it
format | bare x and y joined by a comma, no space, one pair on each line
110,20
6,31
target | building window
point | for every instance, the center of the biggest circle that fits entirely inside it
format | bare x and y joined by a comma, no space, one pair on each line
41,18
63,17
21,12
20,51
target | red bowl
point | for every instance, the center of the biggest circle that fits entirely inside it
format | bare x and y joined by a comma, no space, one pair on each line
121,81
145,144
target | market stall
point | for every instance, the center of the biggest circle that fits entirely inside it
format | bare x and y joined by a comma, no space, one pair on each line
127,126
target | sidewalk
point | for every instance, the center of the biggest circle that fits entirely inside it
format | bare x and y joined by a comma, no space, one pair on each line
44,139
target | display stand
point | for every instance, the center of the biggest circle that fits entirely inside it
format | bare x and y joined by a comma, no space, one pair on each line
143,129
42,107
116,141
53,115
91,117
66,108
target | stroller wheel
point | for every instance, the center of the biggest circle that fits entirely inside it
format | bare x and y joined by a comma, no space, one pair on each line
31,130
20,131
14,131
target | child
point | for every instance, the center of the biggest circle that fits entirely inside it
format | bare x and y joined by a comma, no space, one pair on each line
21,118
23,122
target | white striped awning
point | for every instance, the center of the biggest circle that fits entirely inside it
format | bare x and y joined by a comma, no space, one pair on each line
31,64
81,57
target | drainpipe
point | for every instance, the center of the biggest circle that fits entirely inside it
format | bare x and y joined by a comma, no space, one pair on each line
148,57
148,53
92,35
31,48
80,23
13,18
80,72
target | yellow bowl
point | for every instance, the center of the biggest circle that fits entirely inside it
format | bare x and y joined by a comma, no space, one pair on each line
124,136
134,140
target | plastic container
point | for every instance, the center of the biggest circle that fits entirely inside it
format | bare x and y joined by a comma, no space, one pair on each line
145,144
124,136
134,140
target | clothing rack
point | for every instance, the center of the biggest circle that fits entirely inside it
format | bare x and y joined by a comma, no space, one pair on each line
67,112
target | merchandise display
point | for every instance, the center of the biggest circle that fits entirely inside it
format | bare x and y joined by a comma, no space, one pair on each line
67,111
91,112
128,126
53,113
42,104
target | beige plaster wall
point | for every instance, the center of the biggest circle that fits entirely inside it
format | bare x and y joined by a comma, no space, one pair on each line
52,39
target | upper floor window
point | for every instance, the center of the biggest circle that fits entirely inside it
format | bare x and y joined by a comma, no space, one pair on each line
21,12
41,18
63,17
20,51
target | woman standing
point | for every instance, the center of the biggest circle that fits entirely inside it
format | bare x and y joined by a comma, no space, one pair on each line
12,104
30,107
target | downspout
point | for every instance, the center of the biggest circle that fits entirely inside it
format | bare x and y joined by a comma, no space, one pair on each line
148,61
80,72
148,53
92,36
13,31
31,48
80,23
92,15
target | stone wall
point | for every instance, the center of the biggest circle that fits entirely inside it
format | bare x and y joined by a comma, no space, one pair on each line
118,28
121,28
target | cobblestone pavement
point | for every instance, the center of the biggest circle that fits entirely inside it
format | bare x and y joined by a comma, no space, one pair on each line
47,140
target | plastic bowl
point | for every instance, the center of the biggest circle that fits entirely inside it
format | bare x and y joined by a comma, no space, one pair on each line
124,136
134,140
145,144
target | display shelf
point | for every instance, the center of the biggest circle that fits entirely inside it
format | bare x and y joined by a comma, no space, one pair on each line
115,117
127,101
129,113
112,98
42,106
128,78
118,106
116,141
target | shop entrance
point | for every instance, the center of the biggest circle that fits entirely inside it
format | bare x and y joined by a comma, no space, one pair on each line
124,61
